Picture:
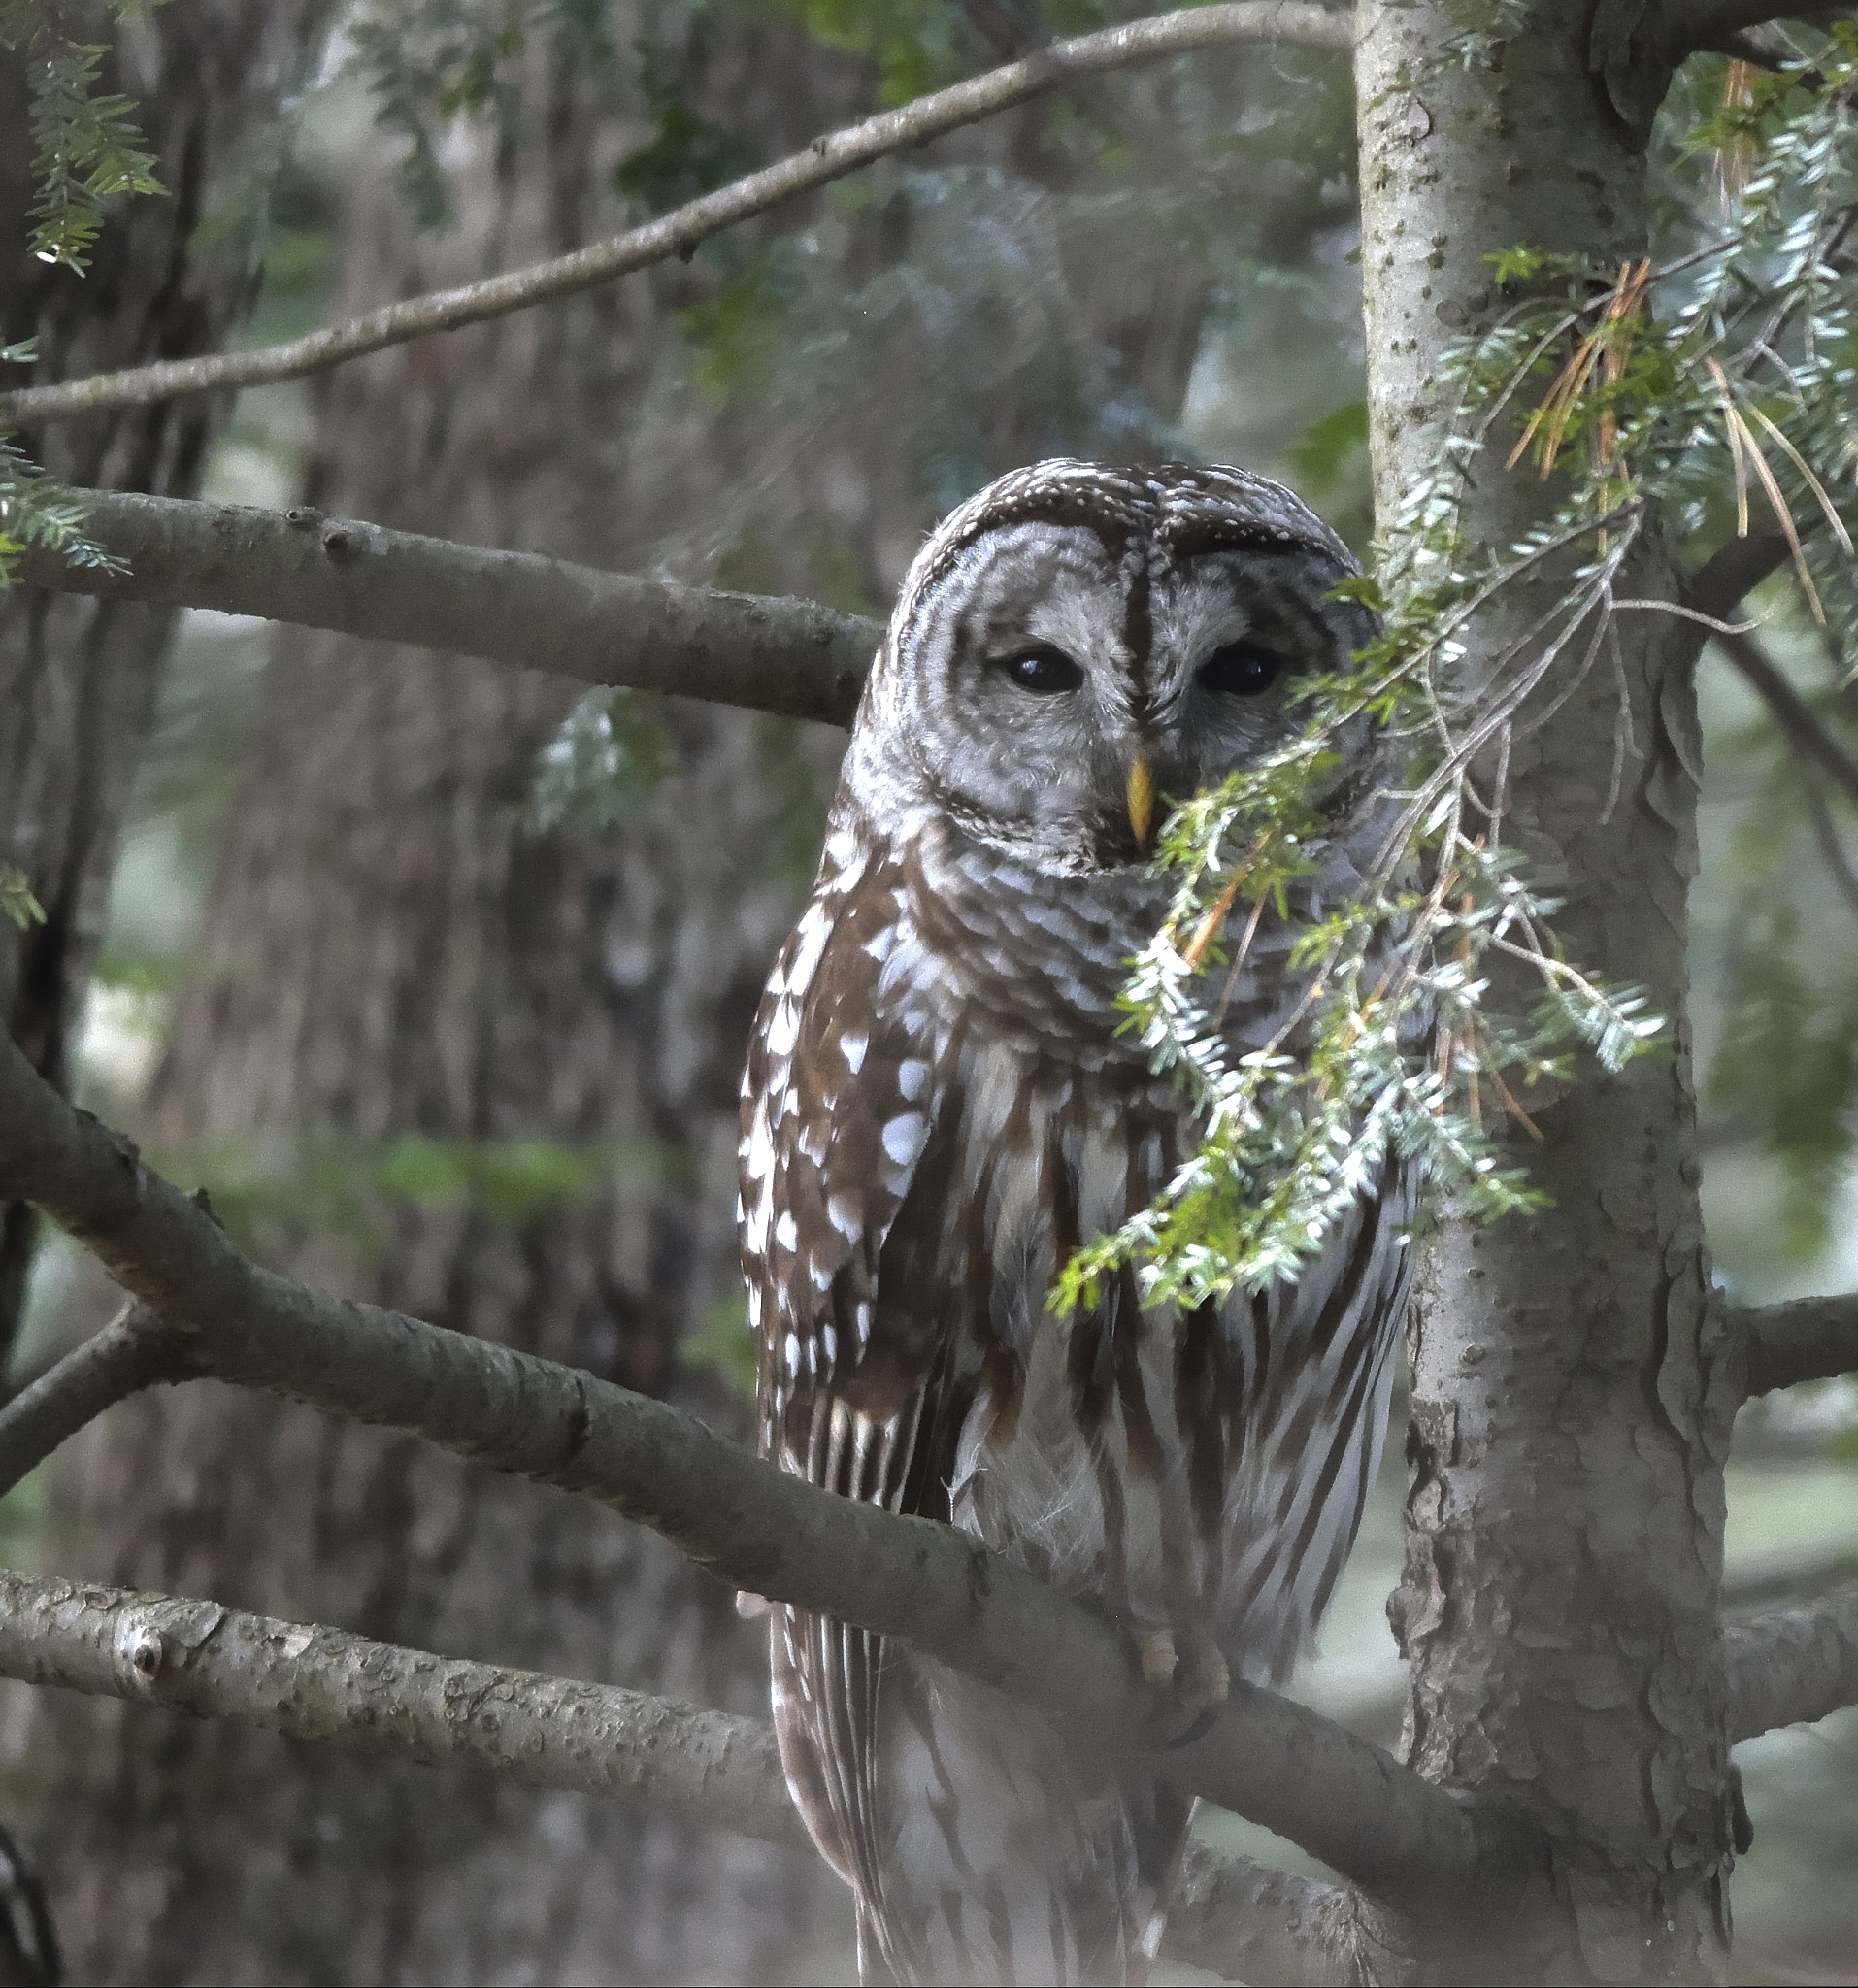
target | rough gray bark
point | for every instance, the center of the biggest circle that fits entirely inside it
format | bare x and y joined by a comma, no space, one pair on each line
78,679
1571,1391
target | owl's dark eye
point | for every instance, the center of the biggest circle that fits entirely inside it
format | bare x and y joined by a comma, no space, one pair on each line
1241,669
1043,671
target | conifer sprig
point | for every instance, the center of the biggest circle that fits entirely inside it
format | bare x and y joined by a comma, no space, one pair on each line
89,146
1687,394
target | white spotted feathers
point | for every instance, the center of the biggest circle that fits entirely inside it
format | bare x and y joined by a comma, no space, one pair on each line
938,1107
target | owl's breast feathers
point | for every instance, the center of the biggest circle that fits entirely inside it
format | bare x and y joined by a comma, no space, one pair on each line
938,1110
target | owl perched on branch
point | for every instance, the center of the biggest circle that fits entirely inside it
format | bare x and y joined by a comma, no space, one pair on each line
938,1109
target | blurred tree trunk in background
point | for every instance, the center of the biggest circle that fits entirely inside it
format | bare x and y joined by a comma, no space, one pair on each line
485,1071
169,278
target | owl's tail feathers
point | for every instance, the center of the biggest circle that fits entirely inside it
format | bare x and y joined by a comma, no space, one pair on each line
1009,1856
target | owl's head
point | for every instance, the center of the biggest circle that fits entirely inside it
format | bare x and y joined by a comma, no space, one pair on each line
1078,644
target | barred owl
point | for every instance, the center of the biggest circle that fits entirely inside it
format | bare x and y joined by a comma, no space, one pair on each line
939,1106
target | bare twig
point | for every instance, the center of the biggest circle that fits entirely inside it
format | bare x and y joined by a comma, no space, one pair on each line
1345,1802
132,1352
1792,1666
773,655
1230,1914
827,157
1791,711
1811,1338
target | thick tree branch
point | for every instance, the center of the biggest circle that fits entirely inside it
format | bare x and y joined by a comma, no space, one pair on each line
1345,1802
1792,1666
1733,570
132,1352
679,233
1791,711
1231,1915
1248,1923
1811,1338
316,1683
771,654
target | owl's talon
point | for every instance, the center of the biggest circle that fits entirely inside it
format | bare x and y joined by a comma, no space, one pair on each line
1159,1655
1203,1680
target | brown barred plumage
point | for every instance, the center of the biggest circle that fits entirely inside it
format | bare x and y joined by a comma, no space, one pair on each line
938,1109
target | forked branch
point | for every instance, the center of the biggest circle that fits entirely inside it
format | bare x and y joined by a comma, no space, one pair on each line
1345,1802
132,1352
680,232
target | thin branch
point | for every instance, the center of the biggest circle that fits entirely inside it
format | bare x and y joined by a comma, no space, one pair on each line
789,656
132,1352
1792,1666
1791,711
1347,1803
1702,26
1831,851
682,231
1230,1915
1811,1338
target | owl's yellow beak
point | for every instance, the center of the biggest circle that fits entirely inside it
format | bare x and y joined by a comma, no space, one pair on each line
1140,795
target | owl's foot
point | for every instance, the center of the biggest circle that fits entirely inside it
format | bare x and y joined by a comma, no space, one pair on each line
1158,1657
1203,1680
1191,1664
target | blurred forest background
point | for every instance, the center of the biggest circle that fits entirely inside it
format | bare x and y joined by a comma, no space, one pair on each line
442,979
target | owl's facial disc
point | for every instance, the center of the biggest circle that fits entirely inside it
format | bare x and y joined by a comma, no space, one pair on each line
1053,687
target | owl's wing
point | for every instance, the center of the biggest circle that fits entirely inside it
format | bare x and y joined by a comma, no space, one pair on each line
840,1175
839,1103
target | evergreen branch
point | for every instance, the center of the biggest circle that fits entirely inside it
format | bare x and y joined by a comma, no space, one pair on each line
1809,1339
713,1769
37,514
89,146
682,232
788,656
1791,1667
1411,1845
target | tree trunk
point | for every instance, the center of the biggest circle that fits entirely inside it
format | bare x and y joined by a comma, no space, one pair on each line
78,679
1571,1401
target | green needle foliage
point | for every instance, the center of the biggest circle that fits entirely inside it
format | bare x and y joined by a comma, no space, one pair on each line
87,145
34,512
17,900
1689,394
88,149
